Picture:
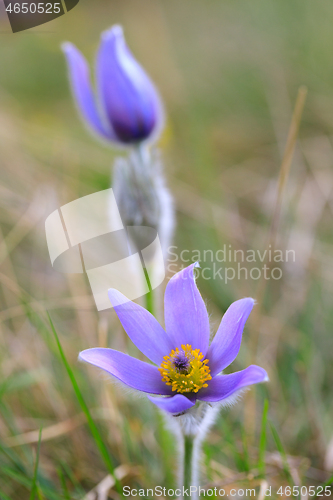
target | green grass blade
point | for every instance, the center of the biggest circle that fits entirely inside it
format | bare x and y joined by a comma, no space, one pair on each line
9,418
247,463
40,494
49,491
20,381
13,457
230,446
93,428
282,453
263,439
16,476
75,483
329,482
3,496
63,484
34,480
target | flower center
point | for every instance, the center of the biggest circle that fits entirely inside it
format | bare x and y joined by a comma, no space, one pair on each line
184,370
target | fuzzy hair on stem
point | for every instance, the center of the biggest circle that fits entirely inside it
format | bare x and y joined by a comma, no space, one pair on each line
141,193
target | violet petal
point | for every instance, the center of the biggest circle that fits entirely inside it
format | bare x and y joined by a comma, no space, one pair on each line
226,343
132,372
128,97
79,76
224,386
141,327
175,404
186,317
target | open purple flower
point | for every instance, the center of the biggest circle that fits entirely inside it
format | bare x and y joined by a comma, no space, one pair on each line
128,109
188,368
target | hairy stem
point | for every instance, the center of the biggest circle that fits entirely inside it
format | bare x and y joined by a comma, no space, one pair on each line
188,468
188,456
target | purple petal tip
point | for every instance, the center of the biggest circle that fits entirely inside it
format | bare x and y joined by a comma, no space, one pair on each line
66,47
116,298
251,300
113,32
81,357
175,404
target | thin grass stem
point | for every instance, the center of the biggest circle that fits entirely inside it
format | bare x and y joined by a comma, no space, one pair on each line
94,431
34,481
273,230
263,439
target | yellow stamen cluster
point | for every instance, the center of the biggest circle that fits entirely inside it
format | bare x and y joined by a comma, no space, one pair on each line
185,379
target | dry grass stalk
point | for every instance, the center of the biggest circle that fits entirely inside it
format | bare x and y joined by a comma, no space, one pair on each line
282,182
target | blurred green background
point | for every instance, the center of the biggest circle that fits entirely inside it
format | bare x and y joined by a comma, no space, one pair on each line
228,72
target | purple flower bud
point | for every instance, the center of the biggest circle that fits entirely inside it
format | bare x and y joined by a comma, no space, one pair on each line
128,108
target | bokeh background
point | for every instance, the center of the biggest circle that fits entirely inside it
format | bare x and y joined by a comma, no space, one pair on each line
229,72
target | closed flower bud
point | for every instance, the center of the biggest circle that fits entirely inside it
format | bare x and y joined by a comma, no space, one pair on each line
127,109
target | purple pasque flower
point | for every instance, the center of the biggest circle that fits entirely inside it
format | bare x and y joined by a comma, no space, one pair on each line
128,109
186,368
